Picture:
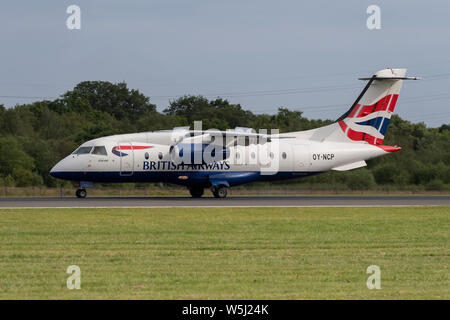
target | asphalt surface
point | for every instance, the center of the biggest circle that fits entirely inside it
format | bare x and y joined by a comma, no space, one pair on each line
257,201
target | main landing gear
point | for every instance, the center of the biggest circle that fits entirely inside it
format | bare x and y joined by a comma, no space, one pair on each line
196,192
81,193
219,192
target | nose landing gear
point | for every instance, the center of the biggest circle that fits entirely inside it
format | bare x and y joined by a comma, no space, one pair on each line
81,193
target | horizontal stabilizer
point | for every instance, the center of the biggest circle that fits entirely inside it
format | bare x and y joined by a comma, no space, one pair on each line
350,166
391,78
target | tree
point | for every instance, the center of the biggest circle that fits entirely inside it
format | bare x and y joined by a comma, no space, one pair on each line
33,137
12,156
115,99
360,179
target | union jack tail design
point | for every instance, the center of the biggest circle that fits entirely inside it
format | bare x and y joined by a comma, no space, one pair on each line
368,118
369,122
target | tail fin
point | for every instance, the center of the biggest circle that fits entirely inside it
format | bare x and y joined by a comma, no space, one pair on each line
368,118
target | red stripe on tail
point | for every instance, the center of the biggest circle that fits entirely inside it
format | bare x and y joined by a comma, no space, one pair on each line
393,102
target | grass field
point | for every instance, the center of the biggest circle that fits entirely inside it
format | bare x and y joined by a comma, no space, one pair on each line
228,253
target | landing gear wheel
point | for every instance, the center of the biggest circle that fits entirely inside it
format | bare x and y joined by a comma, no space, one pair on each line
196,192
81,193
219,192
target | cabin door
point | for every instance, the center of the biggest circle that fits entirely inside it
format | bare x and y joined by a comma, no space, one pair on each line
126,158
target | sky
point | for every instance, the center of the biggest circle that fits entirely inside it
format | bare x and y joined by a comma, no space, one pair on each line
302,55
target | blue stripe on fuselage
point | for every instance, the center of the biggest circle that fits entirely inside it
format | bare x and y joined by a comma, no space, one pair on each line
197,178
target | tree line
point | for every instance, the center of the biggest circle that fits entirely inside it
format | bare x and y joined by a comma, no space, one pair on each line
35,136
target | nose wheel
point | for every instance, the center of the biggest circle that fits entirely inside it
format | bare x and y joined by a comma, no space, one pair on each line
81,193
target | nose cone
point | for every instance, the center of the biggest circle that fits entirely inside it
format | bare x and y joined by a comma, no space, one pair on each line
68,169
60,169
54,171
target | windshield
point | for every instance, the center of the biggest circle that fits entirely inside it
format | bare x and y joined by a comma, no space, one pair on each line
101,150
83,150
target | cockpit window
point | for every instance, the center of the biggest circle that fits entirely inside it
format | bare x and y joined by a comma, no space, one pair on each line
83,150
100,150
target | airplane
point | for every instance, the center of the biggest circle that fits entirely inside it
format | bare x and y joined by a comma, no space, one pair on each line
200,159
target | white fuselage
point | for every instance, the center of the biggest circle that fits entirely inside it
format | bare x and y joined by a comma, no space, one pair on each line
148,157
220,159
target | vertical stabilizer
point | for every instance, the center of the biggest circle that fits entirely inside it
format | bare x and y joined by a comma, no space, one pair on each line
368,118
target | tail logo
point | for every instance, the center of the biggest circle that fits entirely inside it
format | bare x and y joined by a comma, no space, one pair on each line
369,122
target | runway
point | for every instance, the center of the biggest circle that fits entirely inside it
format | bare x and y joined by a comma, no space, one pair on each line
256,201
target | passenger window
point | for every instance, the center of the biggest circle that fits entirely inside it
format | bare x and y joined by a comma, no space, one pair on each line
83,150
101,150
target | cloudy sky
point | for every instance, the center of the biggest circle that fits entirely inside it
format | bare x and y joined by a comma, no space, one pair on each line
304,55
